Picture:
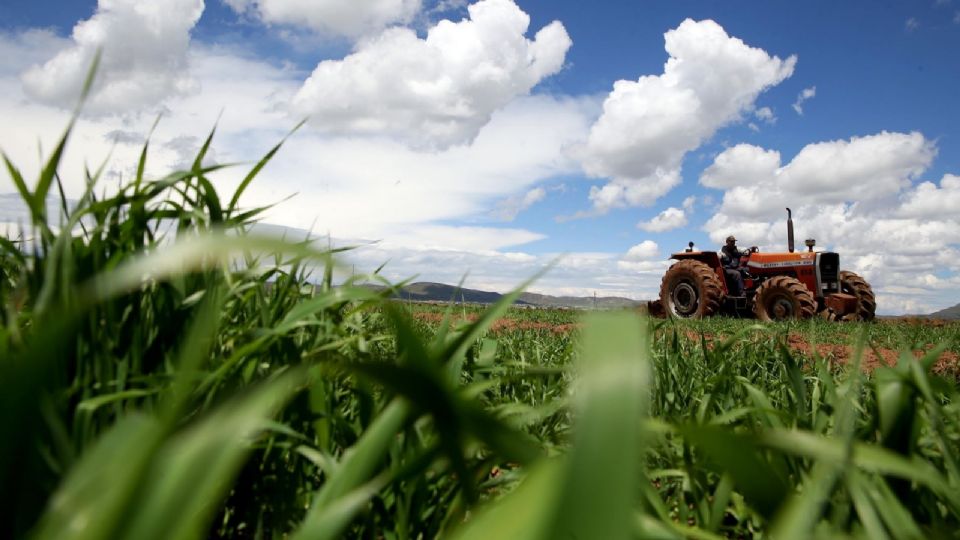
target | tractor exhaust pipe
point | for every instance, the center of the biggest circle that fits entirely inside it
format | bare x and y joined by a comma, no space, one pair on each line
789,230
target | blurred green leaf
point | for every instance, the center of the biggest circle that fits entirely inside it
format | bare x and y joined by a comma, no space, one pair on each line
355,468
762,484
591,492
97,498
193,470
527,512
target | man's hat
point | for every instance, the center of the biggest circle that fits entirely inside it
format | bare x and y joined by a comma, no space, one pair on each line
731,239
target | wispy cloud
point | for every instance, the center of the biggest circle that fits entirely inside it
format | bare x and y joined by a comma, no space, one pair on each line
508,208
805,94
765,114
447,6
912,24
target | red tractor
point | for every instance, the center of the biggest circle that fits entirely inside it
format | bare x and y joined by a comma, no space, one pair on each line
776,286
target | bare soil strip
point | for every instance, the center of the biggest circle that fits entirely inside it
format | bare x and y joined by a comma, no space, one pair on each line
873,357
948,362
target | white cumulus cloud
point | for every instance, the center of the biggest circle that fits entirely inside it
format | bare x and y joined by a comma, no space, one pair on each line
710,79
863,197
741,165
144,47
929,201
669,219
867,170
646,250
437,91
349,18
355,187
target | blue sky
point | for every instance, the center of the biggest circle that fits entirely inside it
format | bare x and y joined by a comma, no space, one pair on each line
490,160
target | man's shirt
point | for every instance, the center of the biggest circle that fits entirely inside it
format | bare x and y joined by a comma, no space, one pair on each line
731,256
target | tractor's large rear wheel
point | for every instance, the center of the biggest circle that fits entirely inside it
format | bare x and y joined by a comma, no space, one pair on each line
690,290
851,283
782,298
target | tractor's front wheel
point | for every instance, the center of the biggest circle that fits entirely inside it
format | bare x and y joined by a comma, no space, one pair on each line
851,283
690,290
783,297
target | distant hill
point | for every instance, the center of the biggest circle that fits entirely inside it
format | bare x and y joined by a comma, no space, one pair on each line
949,313
439,292
585,302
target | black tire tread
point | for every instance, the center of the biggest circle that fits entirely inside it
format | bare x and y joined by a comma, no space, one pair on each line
852,283
711,290
806,303
656,310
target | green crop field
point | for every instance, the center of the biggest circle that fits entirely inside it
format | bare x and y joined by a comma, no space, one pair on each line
164,373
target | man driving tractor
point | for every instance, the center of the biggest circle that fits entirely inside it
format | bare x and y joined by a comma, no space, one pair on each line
771,286
730,257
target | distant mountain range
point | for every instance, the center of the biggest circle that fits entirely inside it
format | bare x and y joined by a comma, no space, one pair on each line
439,292
949,313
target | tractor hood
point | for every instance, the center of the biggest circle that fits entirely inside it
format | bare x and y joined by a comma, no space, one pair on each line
781,260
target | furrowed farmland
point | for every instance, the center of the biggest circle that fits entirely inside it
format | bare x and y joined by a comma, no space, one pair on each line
166,373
